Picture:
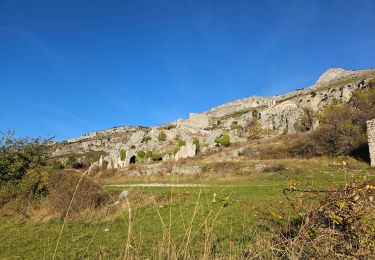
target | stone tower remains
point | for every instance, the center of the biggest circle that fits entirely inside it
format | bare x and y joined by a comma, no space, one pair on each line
371,140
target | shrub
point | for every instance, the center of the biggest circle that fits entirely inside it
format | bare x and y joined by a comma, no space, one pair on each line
147,138
254,130
162,136
141,154
18,155
197,145
148,154
223,140
24,170
122,154
73,163
157,157
340,227
89,195
342,129
306,121
179,144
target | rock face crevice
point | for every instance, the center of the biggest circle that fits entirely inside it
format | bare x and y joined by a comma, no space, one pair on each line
371,140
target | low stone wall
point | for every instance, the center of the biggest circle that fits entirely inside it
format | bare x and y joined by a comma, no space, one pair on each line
371,140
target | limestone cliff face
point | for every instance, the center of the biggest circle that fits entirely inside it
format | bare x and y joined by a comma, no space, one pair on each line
278,113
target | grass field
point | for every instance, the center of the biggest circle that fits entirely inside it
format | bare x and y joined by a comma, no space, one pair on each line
223,219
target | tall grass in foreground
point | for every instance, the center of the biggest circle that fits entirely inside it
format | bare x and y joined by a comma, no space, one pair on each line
186,230
201,228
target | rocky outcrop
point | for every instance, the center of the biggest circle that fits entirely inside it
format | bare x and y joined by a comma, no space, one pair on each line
280,113
282,116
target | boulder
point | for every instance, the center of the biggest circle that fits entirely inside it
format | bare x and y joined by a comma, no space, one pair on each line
136,138
346,95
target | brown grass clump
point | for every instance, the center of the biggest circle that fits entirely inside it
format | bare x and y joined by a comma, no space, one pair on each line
89,195
341,227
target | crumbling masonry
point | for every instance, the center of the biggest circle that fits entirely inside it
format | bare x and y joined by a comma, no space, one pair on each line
371,140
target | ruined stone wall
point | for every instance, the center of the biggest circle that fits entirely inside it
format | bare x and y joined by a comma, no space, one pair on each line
371,140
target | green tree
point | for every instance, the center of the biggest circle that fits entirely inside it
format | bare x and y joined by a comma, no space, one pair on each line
18,155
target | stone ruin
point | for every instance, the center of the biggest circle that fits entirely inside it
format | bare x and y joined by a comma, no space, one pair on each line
371,140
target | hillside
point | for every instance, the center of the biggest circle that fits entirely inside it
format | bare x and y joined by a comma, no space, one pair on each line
276,115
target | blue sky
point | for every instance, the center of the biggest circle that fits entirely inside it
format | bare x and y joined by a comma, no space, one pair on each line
72,67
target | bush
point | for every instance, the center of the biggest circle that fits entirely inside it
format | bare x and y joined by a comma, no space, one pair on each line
162,136
18,155
306,121
147,139
157,157
73,163
197,145
141,154
24,171
122,155
89,195
223,140
340,227
179,144
254,130
342,129
148,154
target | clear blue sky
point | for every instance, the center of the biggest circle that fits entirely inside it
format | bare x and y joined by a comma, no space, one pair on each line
72,67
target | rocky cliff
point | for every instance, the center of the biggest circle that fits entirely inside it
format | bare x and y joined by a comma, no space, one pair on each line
276,114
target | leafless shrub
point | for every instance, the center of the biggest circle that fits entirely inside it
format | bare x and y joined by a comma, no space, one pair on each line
89,195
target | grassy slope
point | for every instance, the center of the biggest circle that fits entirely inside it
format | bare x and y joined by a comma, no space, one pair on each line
183,221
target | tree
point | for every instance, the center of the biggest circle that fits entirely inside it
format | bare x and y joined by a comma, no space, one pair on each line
17,155
254,130
162,136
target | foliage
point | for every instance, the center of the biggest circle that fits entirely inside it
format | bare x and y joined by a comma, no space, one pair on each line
122,154
343,128
162,136
141,154
179,144
148,154
306,120
341,227
74,163
24,171
254,130
147,138
197,145
18,155
223,140
235,126
88,195
157,157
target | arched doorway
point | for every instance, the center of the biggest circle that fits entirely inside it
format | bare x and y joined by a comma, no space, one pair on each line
132,160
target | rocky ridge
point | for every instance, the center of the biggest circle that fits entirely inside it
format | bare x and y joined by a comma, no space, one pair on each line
276,114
